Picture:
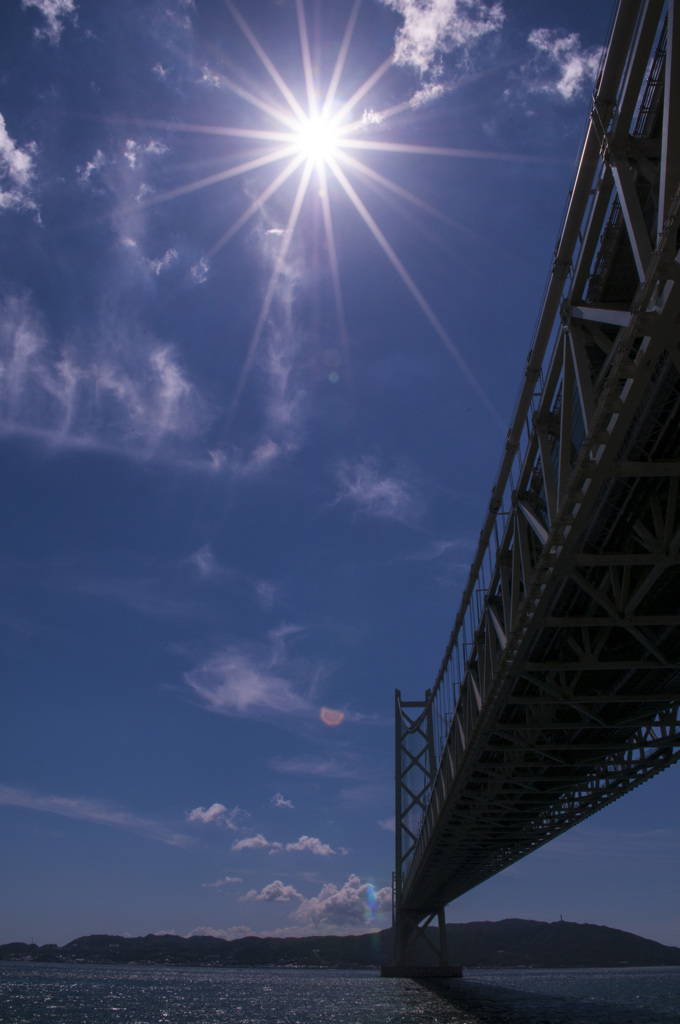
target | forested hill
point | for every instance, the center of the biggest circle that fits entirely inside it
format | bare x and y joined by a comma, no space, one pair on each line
510,943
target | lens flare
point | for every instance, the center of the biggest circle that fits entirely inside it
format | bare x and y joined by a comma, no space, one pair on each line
331,717
371,903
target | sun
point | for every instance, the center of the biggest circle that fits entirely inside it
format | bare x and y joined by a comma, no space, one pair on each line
317,136
317,139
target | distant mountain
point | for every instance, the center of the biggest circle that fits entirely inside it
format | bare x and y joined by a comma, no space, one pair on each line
510,943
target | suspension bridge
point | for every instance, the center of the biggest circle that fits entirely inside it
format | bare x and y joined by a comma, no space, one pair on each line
559,690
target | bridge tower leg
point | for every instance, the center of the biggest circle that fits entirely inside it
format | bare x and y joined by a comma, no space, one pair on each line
415,770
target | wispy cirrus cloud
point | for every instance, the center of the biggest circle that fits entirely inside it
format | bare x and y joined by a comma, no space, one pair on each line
256,680
433,28
227,880
126,394
16,172
85,172
97,812
205,562
235,682
218,814
561,66
378,494
346,766
54,12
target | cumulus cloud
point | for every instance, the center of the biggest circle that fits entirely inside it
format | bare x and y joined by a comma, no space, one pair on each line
257,842
355,905
122,393
217,814
275,892
97,812
54,11
278,800
305,844
16,172
561,66
310,845
227,880
376,494
432,28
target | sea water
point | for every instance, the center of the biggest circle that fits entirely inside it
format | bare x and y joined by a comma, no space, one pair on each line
120,994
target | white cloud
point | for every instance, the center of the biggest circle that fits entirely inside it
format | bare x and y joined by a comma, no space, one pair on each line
376,494
354,906
242,682
389,824
135,149
305,844
237,931
159,70
205,562
563,56
122,393
163,262
257,842
53,11
371,118
199,272
96,812
16,172
349,767
266,594
434,27
93,165
310,845
275,892
429,92
279,800
209,77
217,814
227,880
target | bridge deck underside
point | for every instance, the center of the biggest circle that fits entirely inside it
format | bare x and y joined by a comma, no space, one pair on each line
560,688
591,708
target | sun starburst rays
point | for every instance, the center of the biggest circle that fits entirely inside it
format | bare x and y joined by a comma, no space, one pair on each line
321,138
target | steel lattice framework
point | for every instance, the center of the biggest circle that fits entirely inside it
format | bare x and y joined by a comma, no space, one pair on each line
560,686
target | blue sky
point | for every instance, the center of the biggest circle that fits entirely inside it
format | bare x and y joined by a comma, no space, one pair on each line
254,387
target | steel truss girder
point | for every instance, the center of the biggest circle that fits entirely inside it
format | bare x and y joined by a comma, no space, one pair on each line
560,687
